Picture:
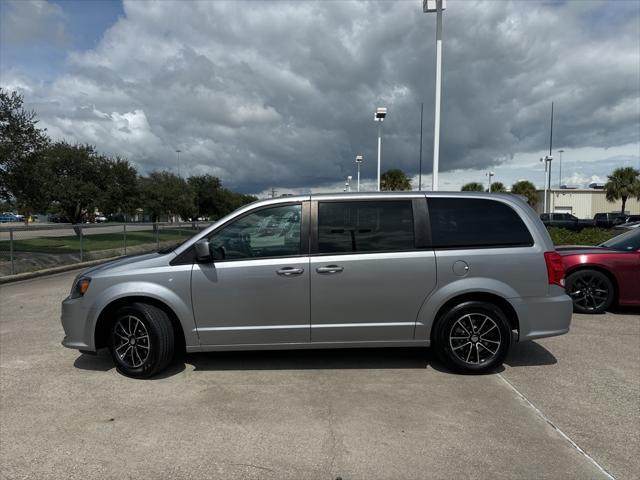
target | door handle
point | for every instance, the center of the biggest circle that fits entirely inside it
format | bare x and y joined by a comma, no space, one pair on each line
289,271
330,269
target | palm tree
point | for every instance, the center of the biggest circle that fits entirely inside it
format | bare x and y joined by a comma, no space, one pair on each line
394,180
472,187
527,189
623,183
498,187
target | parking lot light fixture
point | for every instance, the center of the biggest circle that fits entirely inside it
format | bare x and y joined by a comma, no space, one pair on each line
547,180
560,166
490,175
359,160
436,6
379,116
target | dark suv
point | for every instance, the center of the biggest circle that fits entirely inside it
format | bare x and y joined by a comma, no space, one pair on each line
609,220
565,220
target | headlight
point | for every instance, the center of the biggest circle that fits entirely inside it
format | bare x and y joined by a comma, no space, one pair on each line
80,287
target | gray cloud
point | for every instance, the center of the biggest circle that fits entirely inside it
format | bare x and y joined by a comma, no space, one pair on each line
282,94
27,22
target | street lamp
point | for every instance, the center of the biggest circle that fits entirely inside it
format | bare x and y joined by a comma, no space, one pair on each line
547,178
178,153
437,6
560,174
490,174
381,112
359,160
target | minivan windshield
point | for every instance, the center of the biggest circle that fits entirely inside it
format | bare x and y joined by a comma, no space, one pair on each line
629,241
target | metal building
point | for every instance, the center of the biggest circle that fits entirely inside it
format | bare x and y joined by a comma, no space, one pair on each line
584,203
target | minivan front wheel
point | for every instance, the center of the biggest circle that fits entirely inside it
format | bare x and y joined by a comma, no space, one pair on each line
473,337
141,340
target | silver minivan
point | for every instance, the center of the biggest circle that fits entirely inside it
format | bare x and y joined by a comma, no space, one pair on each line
467,274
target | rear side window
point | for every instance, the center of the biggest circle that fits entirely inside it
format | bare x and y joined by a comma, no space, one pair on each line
466,222
376,226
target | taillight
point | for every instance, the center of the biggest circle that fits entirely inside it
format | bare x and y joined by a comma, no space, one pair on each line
555,269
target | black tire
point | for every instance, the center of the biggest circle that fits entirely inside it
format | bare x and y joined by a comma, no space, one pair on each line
134,355
472,337
591,291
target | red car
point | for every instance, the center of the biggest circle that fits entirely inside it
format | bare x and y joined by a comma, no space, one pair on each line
597,277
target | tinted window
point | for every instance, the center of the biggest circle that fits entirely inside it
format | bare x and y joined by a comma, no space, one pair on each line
270,232
629,241
365,226
462,222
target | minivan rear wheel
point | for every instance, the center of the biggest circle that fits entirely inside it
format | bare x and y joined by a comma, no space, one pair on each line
141,340
473,337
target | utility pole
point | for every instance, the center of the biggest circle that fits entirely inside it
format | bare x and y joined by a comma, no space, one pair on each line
420,167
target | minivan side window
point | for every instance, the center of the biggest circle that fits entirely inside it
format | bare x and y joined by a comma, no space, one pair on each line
365,226
467,222
268,232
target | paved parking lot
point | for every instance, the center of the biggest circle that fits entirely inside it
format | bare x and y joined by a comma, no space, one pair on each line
561,408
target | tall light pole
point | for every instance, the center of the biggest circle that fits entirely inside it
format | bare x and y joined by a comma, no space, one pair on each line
381,113
359,160
490,174
178,153
437,6
560,174
547,178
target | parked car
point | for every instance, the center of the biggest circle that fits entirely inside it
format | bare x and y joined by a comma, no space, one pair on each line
466,274
598,277
8,217
627,226
18,217
631,222
608,220
100,219
565,220
59,219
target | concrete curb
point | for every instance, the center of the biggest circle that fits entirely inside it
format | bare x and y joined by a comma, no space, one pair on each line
50,271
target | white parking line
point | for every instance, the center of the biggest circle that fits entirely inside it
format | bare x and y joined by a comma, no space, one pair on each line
556,428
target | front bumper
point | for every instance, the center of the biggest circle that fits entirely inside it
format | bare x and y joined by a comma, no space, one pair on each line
75,322
543,316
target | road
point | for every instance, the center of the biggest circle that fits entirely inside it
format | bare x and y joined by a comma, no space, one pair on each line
354,414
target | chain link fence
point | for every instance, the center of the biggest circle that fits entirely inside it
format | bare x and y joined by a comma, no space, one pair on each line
37,247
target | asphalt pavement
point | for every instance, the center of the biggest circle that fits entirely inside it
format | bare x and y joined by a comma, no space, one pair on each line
565,407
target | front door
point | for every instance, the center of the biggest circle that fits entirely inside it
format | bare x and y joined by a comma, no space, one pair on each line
369,274
259,292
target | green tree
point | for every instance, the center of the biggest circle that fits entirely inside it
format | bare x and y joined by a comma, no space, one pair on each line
527,189
208,196
121,187
472,187
394,180
498,187
165,193
623,183
24,177
78,179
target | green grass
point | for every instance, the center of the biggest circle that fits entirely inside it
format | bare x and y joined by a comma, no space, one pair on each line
100,241
588,236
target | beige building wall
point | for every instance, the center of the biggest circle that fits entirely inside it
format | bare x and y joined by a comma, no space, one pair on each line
584,203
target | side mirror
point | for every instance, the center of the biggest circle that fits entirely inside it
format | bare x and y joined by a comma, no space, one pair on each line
203,252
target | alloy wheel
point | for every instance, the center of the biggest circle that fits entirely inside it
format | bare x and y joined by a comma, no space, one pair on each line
475,338
589,292
131,341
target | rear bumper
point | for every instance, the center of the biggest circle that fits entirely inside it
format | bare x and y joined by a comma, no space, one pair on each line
543,316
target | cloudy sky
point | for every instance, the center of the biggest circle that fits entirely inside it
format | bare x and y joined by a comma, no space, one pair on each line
282,94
